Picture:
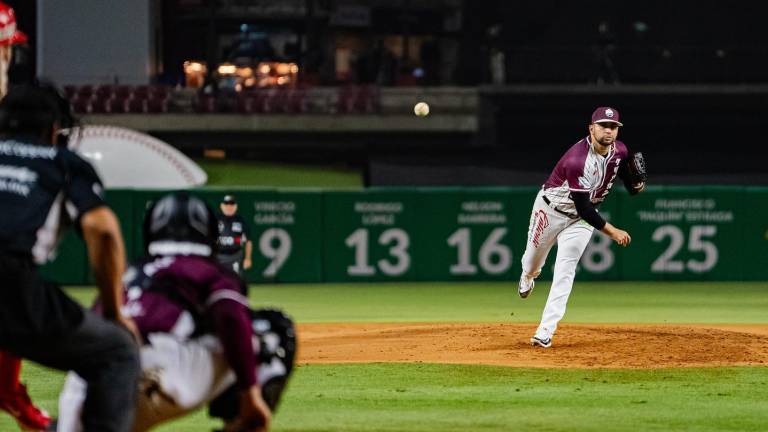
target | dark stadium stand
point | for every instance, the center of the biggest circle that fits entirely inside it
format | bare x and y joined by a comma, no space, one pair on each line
123,99
118,99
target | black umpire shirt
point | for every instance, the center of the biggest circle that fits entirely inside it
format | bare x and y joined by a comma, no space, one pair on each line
233,234
43,189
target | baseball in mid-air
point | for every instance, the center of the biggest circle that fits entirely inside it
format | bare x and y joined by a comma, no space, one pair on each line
421,109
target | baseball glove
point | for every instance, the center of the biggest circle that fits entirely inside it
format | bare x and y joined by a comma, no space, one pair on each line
636,168
633,173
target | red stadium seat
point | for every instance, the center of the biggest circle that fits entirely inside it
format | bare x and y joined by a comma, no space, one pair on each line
99,106
227,103
81,106
157,105
359,99
141,92
366,100
277,101
269,99
205,104
84,92
159,91
104,91
260,97
134,105
297,101
123,91
117,105
247,104
70,91
346,99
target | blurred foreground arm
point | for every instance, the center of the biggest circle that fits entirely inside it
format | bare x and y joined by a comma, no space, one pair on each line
106,253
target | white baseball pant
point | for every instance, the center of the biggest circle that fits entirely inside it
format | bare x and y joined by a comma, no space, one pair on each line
547,227
177,378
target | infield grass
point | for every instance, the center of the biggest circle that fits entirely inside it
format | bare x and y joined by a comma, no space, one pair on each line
430,397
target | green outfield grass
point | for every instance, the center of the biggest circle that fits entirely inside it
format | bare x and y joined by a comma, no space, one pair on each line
428,397
245,173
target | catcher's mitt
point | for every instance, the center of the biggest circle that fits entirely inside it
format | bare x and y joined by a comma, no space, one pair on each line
636,168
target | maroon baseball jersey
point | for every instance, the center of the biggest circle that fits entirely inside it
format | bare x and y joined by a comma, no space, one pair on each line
159,291
581,169
188,296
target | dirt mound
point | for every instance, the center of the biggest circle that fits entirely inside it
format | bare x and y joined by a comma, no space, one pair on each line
575,346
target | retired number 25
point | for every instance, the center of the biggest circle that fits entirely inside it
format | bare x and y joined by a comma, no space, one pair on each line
699,238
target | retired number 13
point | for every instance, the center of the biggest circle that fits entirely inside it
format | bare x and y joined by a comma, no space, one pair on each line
399,261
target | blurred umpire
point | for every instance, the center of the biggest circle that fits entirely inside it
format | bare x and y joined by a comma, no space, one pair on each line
234,238
15,64
45,188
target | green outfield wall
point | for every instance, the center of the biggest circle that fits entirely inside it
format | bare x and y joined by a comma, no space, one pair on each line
467,234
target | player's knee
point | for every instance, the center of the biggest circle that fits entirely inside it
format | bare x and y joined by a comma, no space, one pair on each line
125,352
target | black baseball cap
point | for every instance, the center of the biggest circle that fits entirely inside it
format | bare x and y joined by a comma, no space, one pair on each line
229,199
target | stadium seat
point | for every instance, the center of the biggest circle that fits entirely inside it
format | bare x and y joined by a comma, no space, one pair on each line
159,91
80,106
358,99
157,105
260,97
134,105
366,100
346,99
117,105
248,104
104,92
277,101
227,103
84,92
99,106
297,101
205,104
141,92
70,91
123,91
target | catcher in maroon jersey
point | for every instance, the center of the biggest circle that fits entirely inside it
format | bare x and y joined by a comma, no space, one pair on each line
201,342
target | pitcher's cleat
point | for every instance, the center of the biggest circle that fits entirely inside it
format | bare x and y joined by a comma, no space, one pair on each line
544,343
525,287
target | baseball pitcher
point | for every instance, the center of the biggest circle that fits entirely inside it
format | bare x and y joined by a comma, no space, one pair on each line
566,212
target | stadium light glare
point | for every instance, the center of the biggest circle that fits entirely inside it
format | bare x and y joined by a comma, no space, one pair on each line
227,69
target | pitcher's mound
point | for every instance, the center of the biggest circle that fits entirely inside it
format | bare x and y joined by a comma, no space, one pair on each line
575,345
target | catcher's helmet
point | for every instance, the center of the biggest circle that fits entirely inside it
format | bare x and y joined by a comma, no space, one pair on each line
275,345
9,34
180,224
